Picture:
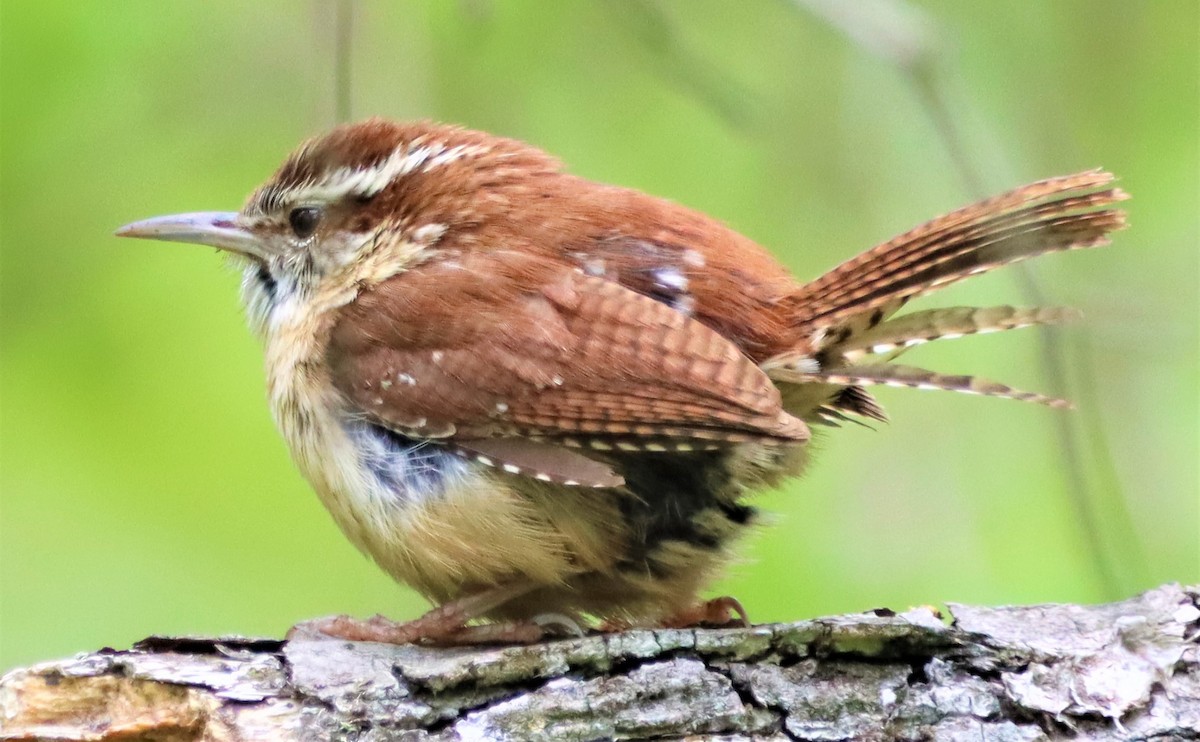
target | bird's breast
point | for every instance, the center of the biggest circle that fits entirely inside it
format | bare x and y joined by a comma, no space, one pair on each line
430,518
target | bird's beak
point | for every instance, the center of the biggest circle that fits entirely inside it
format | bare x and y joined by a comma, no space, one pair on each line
219,229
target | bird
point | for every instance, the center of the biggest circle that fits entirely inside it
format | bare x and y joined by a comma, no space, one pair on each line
546,403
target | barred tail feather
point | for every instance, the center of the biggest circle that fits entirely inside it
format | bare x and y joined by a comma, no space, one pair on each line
1056,214
846,315
916,328
912,377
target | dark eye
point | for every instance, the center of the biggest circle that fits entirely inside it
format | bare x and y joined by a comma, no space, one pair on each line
304,220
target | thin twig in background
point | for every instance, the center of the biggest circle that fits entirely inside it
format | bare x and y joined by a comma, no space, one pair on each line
343,55
688,71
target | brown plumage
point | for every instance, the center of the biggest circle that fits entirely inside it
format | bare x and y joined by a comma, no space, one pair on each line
525,393
546,352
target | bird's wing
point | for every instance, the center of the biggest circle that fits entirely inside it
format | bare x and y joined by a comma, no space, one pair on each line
500,346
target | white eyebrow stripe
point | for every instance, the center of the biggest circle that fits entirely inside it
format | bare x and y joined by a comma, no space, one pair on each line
365,182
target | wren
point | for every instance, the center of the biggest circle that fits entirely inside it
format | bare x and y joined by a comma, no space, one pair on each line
544,402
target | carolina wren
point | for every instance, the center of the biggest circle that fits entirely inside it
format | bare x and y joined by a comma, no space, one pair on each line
538,399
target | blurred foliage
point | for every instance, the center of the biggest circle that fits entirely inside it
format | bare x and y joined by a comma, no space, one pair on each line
145,490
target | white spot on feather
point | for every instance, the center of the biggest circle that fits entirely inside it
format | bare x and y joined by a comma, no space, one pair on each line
806,365
404,378
595,267
671,278
428,233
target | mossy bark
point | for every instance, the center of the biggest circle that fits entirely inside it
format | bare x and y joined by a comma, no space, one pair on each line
1128,670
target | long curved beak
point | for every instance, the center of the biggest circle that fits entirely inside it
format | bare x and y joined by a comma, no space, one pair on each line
217,229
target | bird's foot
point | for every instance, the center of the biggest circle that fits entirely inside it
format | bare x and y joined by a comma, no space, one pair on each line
440,624
532,631
721,612
436,624
615,626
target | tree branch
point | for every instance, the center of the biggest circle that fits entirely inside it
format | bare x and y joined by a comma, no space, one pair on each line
1128,670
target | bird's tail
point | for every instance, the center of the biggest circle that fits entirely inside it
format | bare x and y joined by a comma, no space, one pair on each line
847,314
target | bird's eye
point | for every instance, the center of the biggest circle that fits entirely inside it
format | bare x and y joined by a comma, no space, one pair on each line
304,220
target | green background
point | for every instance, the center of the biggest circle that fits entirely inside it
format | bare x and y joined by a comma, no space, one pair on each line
144,489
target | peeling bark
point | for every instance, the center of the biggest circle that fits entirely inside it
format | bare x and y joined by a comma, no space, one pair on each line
1128,670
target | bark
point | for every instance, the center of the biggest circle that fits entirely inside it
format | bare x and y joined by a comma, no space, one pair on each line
1128,670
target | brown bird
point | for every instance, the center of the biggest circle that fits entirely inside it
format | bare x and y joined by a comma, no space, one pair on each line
545,401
